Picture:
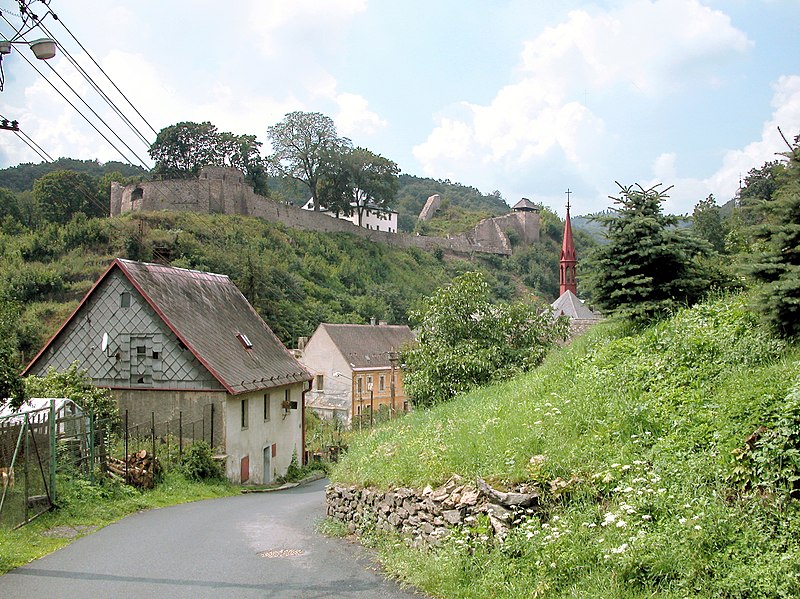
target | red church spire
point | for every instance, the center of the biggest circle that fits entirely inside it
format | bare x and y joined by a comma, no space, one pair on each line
569,261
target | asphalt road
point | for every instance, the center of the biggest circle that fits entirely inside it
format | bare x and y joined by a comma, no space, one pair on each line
255,545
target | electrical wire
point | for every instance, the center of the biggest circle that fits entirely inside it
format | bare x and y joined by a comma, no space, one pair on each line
146,122
77,95
97,88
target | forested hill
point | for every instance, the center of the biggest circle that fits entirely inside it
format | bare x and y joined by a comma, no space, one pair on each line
22,176
295,279
461,203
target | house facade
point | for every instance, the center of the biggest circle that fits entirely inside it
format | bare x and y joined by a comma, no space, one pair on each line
173,343
374,217
357,371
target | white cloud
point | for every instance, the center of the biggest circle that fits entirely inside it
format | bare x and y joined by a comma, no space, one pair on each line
641,47
354,118
282,25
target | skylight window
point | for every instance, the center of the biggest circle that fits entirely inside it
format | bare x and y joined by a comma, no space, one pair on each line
244,340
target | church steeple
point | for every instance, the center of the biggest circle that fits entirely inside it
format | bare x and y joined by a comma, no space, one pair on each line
569,260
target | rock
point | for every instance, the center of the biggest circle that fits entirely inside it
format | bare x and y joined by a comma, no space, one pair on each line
452,517
507,499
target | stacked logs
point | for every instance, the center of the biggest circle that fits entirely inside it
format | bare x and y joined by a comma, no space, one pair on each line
139,469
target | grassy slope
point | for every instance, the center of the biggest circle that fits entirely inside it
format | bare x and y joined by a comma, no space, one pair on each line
639,430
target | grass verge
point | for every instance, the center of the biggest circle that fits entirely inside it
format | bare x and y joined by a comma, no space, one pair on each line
642,442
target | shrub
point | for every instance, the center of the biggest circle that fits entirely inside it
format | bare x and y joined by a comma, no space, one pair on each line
198,464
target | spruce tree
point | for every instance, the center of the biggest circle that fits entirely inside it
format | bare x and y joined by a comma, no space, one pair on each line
648,268
778,264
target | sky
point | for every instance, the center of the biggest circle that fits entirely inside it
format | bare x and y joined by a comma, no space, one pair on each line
526,97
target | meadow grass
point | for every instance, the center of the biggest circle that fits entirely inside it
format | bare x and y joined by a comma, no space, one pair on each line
645,431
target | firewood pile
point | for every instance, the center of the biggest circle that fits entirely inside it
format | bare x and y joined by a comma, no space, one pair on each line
142,469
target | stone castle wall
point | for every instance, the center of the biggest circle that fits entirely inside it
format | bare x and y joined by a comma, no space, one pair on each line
224,191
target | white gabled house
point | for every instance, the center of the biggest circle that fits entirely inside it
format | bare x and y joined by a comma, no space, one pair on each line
168,340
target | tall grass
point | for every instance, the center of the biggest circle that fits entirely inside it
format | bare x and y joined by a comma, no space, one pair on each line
644,432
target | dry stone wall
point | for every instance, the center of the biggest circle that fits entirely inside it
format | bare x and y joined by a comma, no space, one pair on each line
427,516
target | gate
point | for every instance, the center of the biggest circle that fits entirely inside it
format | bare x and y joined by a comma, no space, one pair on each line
46,436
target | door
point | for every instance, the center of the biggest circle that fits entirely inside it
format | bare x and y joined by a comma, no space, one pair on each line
268,464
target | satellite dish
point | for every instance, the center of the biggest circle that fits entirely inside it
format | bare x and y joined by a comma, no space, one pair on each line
104,342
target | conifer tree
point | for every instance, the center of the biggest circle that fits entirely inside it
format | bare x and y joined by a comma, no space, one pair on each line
778,265
648,268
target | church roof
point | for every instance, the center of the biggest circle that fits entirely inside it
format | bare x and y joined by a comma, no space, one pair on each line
569,305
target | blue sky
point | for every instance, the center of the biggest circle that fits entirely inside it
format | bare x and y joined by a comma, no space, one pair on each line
525,97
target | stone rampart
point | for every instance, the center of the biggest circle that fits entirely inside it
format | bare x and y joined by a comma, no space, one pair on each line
224,191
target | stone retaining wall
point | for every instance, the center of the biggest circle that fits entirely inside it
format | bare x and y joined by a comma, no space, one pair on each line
427,516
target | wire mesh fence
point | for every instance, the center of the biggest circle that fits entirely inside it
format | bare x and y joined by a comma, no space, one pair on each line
48,437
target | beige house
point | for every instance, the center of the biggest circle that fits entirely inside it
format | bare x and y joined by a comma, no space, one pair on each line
172,343
356,370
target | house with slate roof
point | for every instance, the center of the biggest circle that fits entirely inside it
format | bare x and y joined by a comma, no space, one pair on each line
173,343
356,371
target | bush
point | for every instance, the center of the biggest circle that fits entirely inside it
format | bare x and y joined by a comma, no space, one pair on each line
198,464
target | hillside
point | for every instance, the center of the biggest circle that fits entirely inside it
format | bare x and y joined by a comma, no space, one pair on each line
21,177
665,460
295,279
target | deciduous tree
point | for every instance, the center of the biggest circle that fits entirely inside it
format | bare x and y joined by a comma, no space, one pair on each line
181,150
302,144
62,194
708,224
466,341
357,180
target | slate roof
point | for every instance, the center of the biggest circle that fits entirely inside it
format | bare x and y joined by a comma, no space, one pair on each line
525,204
207,312
368,346
569,305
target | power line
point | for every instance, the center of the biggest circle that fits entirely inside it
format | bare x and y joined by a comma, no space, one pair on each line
106,74
97,88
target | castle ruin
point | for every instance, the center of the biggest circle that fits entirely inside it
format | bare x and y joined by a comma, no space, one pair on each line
219,190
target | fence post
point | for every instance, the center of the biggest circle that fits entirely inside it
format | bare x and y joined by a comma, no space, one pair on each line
26,448
212,426
91,446
153,431
180,436
126,446
53,463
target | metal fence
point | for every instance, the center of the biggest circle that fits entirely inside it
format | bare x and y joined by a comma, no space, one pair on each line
167,439
36,444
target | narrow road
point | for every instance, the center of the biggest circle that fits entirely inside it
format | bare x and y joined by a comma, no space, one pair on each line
255,545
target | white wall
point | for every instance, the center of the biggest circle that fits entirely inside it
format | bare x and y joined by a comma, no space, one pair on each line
286,433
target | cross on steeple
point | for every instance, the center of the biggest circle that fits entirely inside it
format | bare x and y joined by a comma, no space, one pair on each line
567,275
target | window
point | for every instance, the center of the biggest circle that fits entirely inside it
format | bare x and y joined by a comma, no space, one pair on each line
381,383
124,300
245,409
156,355
267,407
360,385
319,381
369,382
246,343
